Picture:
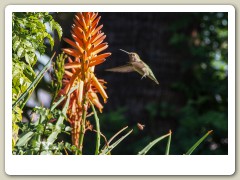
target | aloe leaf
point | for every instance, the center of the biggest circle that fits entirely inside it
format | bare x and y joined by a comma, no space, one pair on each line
169,143
108,149
189,152
151,144
97,128
115,135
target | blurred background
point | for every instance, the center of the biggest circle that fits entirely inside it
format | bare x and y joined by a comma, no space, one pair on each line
187,52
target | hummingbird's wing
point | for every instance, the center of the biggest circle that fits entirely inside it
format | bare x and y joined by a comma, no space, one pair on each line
122,69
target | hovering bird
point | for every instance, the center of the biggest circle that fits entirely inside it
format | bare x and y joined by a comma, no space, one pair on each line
135,64
140,126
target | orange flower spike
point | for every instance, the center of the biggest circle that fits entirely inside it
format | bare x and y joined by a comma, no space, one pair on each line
70,42
94,99
66,89
96,30
96,37
72,65
77,31
83,65
77,59
95,23
88,45
80,92
99,88
94,16
94,63
90,15
99,48
83,21
87,18
84,39
73,78
77,40
79,19
99,41
98,59
88,35
71,61
65,81
71,52
69,74
89,51
77,24
73,107
101,56
79,48
85,57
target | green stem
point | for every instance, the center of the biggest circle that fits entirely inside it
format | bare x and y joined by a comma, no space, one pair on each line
42,135
82,126
39,136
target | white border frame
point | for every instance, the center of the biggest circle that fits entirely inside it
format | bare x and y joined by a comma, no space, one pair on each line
120,164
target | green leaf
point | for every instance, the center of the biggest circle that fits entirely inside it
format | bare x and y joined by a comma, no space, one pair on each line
58,126
68,128
151,144
28,59
58,28
108,149
62,98
189,152
46,153
98,129
52,137
16,45
27,93
24,138
27,43
14,38
31,59
20,52
51,41
169,142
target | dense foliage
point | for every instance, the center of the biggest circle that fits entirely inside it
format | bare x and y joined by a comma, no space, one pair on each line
29,33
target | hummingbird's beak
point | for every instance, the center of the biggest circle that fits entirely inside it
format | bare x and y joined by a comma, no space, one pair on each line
124,51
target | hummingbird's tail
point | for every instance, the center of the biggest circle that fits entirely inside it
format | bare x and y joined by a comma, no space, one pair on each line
152,77
156,81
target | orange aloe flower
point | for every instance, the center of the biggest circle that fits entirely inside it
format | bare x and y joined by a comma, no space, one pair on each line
84,55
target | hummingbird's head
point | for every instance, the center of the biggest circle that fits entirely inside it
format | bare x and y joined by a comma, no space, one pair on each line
132,56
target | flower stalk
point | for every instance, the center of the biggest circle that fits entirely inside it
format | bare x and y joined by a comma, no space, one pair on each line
84,56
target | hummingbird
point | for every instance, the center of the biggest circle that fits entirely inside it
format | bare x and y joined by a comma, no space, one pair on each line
135,64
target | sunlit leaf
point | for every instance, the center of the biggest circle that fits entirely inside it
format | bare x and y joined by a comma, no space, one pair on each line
189,152
24,138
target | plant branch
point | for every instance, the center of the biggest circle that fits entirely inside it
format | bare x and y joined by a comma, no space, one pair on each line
82,125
